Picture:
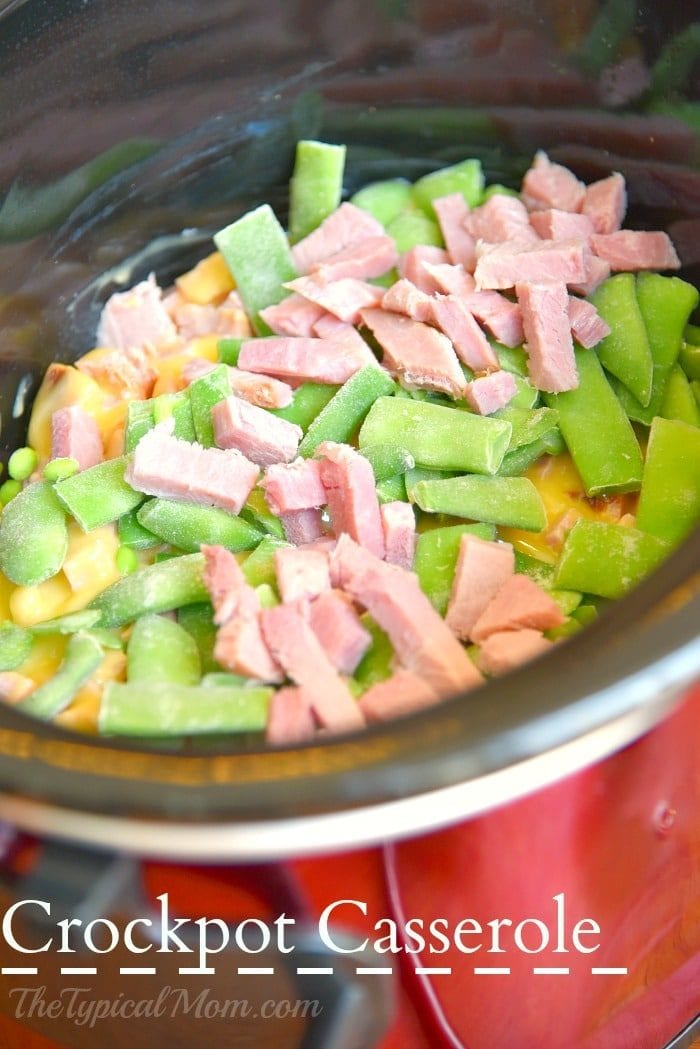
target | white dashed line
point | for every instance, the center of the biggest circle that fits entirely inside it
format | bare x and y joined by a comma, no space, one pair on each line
78,970
612,971
135,970
432,972
196,972
369,971
19,970
551,971
492,971
252,971
309,971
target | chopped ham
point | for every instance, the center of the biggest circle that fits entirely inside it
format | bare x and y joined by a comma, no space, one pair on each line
587,325
343,334
497,313
75,435
401,694
305,360
302,526
422,357
294,315
337,626
551,363
412,265
597,270
508,649
548,185
557,533
451,280
451,213
230,593
15,687
399,524
290,717
423,642
296,647
501,218
301,573
261,390
404,297
163,465
344,298
505,265
136,317
263,438
369,258
351,495
241,648
553,224
454,319
488,393
630,250
605,203
519,603
482,569
193,320
346,226
293,486
129,371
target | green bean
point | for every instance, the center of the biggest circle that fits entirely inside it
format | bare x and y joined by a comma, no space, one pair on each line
176,406
315,186
267,596
607,559
376,664
99,495
544,575
15,645
689,359
71,623
393,489
256,512
385,200
229,350
33,535
213,387
675,63
625,352
436,559
527,395
612,25
22,464
139,420
132,533
510,501
412,227
496,190
177,710
187,525
309,399
517,462
259,567
82,657
679,402
198,621
418,474
466,178
156,588
437,437
126,560
669,502
219,678
9,490
160,650
528,424
511,359
388,460
340,418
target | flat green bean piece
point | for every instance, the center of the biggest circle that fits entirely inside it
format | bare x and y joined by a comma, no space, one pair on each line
259,567
517,462
160,650
625,352
607,559
675,64
691,334
436,559
511,359
418,474
221,677
204,393
256,512
309,399
315,187
156,588
229,350
388,460
611,26
679,401
15,645
198,621
544,575
176,406
597,432
669,502
527,395
140,419
466,178
393,489
437,437
412,227
100,495
376,664
33,535
176,710
347,408
510,501
385,199
71,623
689,358
82,657
528,424
187,525
132,533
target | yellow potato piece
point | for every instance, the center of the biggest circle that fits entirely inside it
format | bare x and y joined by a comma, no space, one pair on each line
36,604
63,386
90,565
208,281
44,659
82,714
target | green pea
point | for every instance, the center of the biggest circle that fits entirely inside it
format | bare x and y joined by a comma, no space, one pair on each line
22,464
8,491
59,469
126,560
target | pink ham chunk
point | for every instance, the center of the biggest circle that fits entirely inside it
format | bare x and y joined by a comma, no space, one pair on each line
399,524
605,203
451,280
290,718
412,265
548,185
351,495
343,334
369,258
230,593
551,363
422,357
241,648
302,526
294,315
455,320
631,250
75,435
347,226
498,314
482,569
337,626
489,393
587,325
301,573
165,466
401,694
344,298
263,438
404,297
297,649
193,321
130,371
508,649
597,270
422,640
505,265
451,212
501,218
561,225
519,603
136,317
305,360
262,390
294,486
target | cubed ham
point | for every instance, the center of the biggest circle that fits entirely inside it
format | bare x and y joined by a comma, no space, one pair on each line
230,593
344,298
163,465
597,270
404,297
551,363
305,360
451,212
421,356
423,642
455,320
369,258
290,718
241,648
519,603
509,649
482,569
412,265
505,265
548,185
75,435
301,573
346,226
587,325
260,390
337,626
553,224
263,438
498,314
130,372
351,495
450,280
196,368
136,318
401,694
294,315
297,649
399,524
302,526
605,203
293,486
489,393
193,320
631,250
501,218
343,334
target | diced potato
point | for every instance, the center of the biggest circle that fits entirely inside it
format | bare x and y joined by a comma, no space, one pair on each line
44,659
36,604
171,367
83,712
63,386
207,282
6,591
90,565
